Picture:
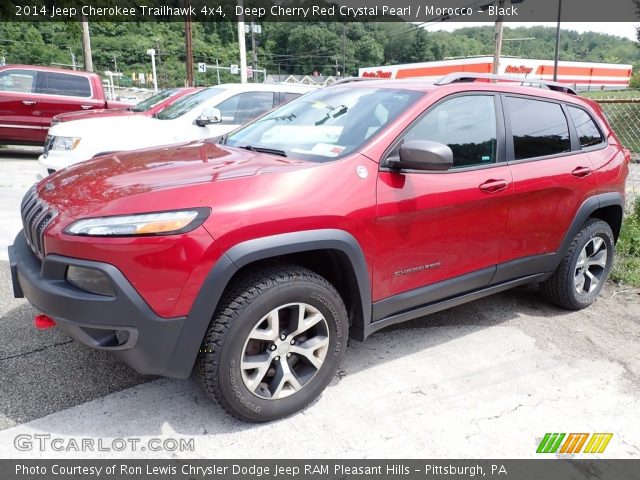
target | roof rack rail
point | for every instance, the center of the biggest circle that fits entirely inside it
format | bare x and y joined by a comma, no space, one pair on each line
470,77
353,79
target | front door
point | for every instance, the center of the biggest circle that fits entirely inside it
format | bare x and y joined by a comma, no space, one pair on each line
443,226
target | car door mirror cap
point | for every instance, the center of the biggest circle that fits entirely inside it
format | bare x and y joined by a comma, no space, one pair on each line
423,155
209,116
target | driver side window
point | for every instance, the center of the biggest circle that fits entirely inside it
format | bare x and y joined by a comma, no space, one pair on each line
244,107
467,124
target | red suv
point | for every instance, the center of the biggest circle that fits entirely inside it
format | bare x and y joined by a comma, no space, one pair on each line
349,209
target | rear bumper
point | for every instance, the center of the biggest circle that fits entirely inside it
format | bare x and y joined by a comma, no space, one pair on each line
123,324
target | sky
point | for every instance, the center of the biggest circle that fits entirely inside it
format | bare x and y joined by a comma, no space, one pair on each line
622,29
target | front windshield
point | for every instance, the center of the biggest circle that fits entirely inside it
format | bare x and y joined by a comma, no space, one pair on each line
326,124
151,102
188,103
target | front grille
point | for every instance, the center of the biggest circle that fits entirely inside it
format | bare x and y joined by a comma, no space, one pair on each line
36,216
47,145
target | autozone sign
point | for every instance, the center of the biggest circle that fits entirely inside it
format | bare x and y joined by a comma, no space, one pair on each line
583,75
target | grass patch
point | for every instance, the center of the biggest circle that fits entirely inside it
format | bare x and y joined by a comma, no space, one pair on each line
626,268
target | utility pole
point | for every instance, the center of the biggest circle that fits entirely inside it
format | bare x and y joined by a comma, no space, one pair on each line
254,54
86,45
73,59
243,47
152,52
557,58
188,48
499,30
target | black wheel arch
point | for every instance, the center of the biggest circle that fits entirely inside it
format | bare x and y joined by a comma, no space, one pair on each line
608,207
334,254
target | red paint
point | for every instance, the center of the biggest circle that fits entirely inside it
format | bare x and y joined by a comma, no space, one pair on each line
43,322
25,118
113,112
466,220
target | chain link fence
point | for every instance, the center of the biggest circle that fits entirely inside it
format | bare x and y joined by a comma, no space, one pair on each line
624,116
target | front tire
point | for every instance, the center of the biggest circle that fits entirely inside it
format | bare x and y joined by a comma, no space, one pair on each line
274,344
585,268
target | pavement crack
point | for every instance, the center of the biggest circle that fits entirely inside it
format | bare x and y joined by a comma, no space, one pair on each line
37,350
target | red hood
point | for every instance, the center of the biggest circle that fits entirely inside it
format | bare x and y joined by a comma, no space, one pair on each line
92,184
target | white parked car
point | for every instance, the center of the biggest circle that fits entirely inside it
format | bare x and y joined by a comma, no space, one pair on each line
209,113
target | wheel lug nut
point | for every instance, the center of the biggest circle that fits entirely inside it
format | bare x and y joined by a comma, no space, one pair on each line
277,359
283,336
292,341
273,347
288,355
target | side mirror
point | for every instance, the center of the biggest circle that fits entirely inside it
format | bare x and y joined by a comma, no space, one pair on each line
423,155
209,116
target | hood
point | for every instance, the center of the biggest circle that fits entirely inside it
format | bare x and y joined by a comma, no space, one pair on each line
89,185
96,113
100,125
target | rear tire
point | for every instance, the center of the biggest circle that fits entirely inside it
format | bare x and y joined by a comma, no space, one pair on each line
584,269
274,344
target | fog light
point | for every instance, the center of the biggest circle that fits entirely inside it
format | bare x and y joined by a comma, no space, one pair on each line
90,280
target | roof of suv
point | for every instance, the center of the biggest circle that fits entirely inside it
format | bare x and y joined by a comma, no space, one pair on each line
506,85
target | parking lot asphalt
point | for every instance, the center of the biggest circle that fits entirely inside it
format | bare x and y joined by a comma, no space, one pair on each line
486,379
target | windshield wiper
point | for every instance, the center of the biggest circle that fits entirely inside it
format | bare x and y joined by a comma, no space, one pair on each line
270,151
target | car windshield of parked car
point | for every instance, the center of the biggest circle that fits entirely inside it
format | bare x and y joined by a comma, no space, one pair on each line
151,102
187,104
326,124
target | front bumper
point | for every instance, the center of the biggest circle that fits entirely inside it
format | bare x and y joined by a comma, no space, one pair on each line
123,324
57,160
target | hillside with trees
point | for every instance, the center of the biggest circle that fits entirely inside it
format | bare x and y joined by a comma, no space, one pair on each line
296,48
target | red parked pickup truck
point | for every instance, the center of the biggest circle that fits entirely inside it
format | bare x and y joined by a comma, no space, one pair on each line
30,96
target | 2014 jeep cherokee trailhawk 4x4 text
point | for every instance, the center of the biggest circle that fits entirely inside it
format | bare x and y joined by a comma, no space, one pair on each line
349,209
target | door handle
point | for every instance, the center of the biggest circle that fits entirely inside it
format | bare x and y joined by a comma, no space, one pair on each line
581,172
492,186
86,107
29,102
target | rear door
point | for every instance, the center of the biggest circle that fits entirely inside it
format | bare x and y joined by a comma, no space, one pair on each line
20,107
552,176
438,234
62,93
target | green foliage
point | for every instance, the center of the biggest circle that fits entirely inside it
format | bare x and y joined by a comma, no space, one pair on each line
297,48
627,266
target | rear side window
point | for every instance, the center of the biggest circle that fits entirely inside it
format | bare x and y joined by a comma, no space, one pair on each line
588,133
68,85
244,107
21,81
288,96
466,124
538,128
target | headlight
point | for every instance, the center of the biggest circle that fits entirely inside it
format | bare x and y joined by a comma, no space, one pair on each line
64,143
158,223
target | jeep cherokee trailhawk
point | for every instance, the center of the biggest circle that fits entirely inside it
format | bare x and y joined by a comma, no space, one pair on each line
252,258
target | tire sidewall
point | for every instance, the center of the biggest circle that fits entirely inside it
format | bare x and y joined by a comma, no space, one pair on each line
602,231
232,387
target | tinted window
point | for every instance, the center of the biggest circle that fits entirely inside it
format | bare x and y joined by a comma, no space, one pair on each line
188,103
288,96
69,85
466,124
539,128
151,102
588,133
244,107
23,81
